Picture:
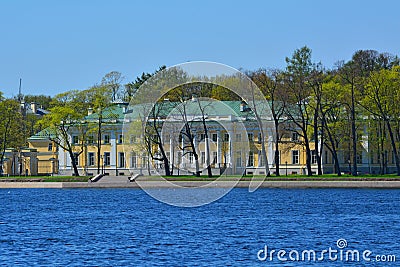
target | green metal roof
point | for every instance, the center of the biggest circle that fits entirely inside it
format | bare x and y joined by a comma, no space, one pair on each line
115,112
43,135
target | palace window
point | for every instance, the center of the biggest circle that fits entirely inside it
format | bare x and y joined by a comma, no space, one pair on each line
50,147
107,159
295,136
226,137
250,136
313,157
91,159
295,157
75,139
121,160
238,159
215,137
133,160
106,139
251,159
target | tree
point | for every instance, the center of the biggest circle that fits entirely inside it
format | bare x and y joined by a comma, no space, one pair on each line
99,98
42,100
316,80
270,83
202,109
113,81
11,127
297,74
131,88
381,98
353,74
333,118
66,114
151,110
189,133
221,93
152,135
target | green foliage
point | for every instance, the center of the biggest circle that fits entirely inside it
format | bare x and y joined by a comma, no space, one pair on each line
11,127
42,100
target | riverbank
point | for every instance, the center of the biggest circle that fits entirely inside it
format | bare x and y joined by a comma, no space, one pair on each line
205,184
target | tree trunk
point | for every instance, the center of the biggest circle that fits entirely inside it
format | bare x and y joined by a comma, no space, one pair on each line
209,171
394,148
319,156
353,132
3,150
316,141
334,152
166,166
277,163
308,155
72,157
196,160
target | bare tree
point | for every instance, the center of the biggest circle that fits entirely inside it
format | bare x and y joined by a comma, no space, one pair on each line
270,83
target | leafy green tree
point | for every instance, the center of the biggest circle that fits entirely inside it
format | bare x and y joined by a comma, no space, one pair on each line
298,71
333,118
352,75
66,115
42,100
132,87
223,94
11,127
99,98
112,81
381,98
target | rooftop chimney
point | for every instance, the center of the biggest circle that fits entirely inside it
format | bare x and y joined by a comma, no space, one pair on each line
90,111
34,107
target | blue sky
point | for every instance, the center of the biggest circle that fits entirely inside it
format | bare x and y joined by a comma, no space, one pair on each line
56,46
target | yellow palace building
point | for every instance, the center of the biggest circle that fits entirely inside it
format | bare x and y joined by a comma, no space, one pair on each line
234,143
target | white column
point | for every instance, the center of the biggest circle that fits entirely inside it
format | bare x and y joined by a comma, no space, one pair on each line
61,158
183,164
230,155
207,152
113,152
219,148
171,151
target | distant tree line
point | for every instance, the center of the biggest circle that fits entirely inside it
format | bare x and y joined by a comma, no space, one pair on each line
333,108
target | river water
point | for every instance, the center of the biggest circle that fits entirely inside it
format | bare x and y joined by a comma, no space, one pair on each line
126,227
